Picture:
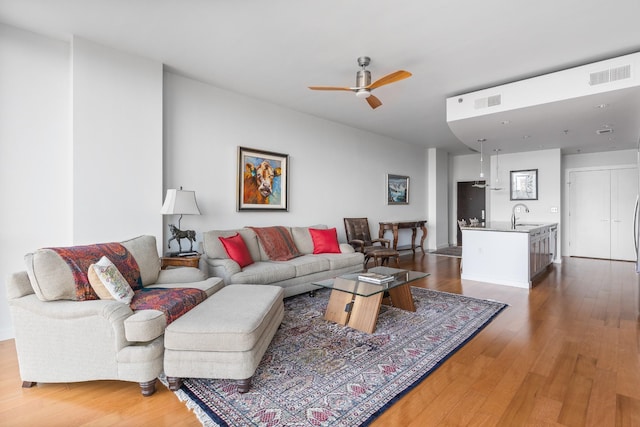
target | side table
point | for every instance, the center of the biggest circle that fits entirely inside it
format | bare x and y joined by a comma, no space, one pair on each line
394,226
180,261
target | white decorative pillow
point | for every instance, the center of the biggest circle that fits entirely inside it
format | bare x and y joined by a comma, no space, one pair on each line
107,281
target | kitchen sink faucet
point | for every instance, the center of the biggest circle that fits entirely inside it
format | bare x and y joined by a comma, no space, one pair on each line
513,214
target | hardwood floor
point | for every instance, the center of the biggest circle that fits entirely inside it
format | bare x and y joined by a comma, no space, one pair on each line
564,354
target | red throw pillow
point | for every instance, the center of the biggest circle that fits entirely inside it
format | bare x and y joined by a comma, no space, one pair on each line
237,249
325,241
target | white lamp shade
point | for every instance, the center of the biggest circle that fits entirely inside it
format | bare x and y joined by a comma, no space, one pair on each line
180,202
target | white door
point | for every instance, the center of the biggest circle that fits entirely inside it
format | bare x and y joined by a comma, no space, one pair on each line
601,213
624,188
590,214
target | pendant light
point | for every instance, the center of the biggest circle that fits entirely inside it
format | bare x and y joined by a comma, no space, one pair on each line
497,187
477,184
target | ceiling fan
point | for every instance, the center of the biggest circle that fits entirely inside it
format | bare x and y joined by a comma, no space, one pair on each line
364,86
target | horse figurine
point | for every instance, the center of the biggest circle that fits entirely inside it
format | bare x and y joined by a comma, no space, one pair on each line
178,235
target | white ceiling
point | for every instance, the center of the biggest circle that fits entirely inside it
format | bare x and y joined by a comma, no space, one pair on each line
272,50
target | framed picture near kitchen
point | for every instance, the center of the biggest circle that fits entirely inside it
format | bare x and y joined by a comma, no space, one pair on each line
524,184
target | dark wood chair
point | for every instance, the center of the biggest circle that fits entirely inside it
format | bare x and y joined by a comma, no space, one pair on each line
359,236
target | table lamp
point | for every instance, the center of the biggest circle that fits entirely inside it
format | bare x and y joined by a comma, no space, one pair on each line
180,202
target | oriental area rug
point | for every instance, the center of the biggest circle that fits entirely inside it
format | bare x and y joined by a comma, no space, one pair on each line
318,373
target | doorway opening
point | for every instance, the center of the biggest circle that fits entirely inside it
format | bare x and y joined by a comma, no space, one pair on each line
471,203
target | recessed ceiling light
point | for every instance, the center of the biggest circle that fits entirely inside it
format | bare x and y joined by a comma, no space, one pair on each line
505,122
602,105
526,136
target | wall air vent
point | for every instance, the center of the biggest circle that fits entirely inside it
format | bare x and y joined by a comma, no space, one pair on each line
489,101
610,75
604,131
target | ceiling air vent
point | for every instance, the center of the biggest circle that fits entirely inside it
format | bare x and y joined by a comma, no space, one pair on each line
604,131
610,75
489,101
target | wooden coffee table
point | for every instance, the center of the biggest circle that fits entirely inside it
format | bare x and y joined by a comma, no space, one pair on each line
356,303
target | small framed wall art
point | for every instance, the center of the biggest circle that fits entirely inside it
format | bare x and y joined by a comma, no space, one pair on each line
397,189
263,180
524,184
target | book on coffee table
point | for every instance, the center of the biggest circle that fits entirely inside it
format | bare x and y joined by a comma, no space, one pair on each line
375,278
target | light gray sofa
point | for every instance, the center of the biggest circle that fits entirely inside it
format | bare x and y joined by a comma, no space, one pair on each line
294,275
59,339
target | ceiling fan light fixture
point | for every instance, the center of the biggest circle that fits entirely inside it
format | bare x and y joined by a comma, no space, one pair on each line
364,87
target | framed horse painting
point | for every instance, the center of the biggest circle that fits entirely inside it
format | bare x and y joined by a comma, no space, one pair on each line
263,180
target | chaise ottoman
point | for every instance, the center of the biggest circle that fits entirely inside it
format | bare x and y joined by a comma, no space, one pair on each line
225,336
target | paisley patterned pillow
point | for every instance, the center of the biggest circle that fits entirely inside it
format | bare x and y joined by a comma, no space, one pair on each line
107,281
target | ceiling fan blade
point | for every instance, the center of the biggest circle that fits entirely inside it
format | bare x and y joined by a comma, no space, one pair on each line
373,101
390,78
329,88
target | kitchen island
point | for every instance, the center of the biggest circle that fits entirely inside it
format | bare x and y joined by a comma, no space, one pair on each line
501,254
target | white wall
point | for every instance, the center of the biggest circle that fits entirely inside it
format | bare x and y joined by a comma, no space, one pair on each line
595,160
438,178
549,186
35,154
117,144
335,171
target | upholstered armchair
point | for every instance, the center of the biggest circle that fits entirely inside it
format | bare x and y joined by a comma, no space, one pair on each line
62,339
359,236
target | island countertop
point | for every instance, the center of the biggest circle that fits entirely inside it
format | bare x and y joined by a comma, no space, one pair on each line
496,253
524,227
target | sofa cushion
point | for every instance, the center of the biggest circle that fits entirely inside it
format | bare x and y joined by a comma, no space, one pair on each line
325,241
145,251
61,273
343,260
302,237
180,275
50,276
210,285
276,243
309,264
172,302
236,249
107,281
265,272
213,247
